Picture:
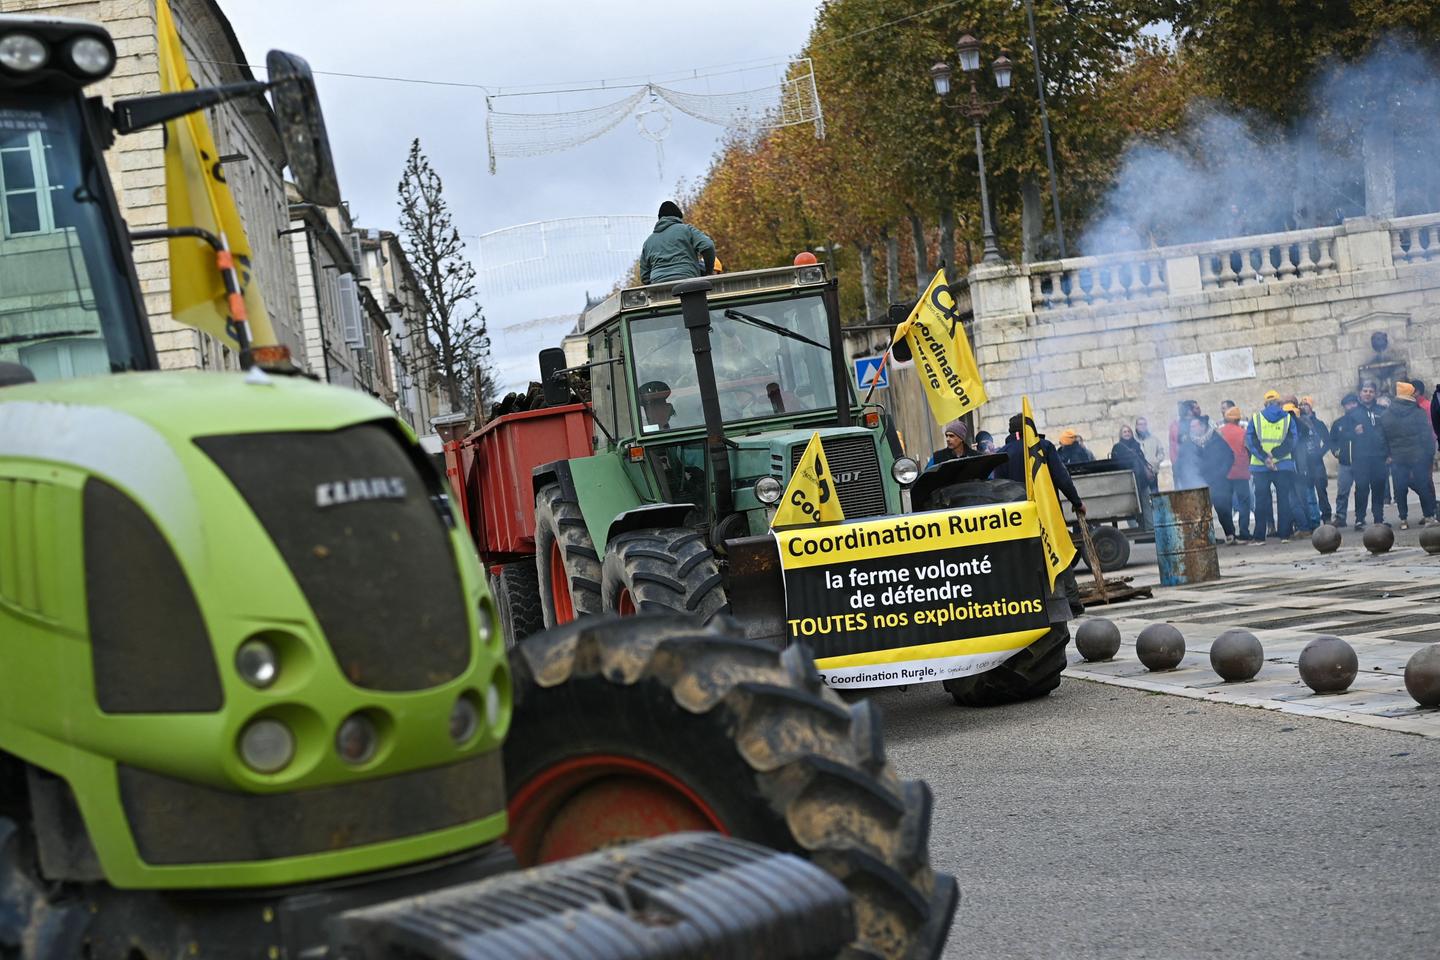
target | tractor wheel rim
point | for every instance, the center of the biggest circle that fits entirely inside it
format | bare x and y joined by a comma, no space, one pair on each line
625,603
589,803
560,586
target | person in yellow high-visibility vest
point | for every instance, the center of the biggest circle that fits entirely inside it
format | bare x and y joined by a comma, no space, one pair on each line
1270,438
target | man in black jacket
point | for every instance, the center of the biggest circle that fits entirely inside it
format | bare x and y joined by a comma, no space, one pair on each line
1340,446
1409,437
1315,438
1368,453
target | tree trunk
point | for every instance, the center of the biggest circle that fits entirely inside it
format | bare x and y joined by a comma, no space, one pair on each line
947,240
922,267
1032,220
867,282
892,267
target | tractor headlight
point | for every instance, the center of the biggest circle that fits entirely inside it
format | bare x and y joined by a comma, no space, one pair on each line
357,740
91,56
768,490
22,53
464,719
267,745
485,621
904,470
257,663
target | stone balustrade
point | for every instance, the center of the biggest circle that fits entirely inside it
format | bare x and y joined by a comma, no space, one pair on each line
1415,239
1084,281
1237,262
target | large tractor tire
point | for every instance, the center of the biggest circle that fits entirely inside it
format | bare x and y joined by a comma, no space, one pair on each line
627,728
516,589
1034,671
1031,673
566,563
665,570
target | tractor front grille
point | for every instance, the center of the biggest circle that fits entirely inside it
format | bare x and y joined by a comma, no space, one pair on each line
177,822
356,522
856,469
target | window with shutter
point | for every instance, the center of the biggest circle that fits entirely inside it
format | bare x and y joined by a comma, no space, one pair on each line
358,255
350,311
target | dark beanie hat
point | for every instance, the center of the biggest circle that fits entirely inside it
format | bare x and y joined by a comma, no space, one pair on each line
671,209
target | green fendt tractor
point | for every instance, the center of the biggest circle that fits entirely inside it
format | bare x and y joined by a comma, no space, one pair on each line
704,395
252,687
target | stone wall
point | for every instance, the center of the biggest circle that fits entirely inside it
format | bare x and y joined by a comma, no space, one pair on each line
1097,342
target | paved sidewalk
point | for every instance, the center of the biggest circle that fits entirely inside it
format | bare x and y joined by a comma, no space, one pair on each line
1385,606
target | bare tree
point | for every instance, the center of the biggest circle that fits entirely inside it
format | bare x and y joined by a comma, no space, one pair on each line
454,323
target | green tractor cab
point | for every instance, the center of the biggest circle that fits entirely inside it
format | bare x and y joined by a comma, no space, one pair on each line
705,394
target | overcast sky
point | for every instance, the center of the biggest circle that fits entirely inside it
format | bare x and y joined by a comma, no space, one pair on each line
515,45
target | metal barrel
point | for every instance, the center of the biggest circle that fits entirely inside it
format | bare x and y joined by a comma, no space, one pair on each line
1184,538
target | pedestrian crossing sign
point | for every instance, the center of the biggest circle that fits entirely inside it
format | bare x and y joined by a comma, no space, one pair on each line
869,369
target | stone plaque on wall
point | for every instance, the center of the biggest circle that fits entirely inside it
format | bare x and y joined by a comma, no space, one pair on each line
1238,364
1185,370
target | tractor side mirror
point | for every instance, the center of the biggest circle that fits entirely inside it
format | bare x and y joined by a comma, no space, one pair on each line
552,379
302,128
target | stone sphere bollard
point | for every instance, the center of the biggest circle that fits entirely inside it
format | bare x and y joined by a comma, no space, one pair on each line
1422,675
1097,639
1160,646
1328,665
1430,539
1378,538
1237,655
1326,538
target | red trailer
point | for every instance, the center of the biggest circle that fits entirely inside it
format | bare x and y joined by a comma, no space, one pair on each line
489,473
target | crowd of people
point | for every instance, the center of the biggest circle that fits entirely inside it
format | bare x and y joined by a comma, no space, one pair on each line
1271,466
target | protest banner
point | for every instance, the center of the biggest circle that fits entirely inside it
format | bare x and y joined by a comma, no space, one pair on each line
916,598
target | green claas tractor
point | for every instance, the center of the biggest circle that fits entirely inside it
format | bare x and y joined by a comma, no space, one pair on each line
704,394
253,692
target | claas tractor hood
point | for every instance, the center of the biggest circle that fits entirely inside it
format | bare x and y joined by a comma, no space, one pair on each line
210,638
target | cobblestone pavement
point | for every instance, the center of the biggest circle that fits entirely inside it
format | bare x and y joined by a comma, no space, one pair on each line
1385,606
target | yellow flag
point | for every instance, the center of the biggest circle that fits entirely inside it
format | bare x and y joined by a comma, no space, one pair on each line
1055,539
943,357
811,496
196,195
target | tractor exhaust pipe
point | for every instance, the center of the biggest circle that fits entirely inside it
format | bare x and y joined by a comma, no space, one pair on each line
695,309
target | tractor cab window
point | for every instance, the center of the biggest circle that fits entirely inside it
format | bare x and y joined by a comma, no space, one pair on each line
770,358
607,385
64,307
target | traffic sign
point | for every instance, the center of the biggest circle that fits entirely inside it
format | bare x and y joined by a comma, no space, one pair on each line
868,369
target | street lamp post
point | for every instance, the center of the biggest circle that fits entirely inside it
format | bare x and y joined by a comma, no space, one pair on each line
977,109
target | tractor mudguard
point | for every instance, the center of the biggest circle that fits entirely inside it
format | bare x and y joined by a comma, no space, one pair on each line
953,471
557,471
677,896
647,516
755,585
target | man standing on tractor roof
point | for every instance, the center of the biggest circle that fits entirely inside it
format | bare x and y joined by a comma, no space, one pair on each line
675,250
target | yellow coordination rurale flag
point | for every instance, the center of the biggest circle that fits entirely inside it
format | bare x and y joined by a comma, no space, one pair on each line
196,195
810,497
1054,535
943,357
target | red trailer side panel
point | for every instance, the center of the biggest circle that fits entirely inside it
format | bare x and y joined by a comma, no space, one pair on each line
490,472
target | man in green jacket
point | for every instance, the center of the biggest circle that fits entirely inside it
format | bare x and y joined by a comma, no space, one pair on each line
674,251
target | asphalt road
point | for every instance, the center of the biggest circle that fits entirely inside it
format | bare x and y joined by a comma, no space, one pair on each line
1103,822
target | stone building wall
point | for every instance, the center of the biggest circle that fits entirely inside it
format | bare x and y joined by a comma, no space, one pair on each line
1097,342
